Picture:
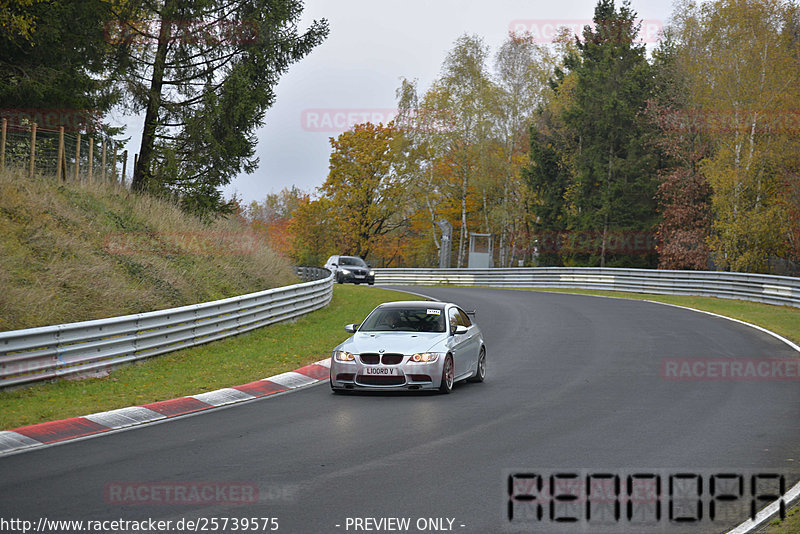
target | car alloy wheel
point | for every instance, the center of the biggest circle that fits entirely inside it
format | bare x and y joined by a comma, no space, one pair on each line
448,375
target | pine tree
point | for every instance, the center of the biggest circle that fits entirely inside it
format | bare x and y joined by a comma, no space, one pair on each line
612,191
204,75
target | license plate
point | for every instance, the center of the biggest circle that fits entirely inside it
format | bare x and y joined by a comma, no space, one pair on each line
379,371
359,276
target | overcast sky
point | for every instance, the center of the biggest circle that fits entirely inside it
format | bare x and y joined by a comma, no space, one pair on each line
354,73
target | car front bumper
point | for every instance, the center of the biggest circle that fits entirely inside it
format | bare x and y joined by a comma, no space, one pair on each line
354,375
356,278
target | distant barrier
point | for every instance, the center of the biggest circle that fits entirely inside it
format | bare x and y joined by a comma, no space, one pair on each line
779,290
309,274
90,347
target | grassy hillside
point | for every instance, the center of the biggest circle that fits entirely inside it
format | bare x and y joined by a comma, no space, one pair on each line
74,252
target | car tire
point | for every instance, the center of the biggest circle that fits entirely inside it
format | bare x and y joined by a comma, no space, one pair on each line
338,279
372,283
448,375
480,372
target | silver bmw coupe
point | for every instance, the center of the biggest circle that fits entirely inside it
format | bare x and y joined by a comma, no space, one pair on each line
410,345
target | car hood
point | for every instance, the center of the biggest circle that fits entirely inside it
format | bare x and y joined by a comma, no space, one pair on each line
404,342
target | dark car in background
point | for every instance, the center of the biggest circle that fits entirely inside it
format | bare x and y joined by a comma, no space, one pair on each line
350,269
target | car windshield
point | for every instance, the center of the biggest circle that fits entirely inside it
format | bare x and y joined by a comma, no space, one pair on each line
350,260
404,320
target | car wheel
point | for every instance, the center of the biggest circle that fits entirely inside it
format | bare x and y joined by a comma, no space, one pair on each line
372,283
338,279
448,375
480,372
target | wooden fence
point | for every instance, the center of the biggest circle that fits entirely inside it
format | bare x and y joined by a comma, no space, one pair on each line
69,156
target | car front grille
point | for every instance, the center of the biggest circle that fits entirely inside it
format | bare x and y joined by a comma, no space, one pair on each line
370,358
381,380
392,359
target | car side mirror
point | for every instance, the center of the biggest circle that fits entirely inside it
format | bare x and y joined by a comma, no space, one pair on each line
334,265
351,328
461,329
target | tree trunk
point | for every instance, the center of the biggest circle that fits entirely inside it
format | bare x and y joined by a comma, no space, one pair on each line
461,242
142,173
606,207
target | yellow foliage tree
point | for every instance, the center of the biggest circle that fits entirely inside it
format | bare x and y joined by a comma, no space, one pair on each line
741,60
364,188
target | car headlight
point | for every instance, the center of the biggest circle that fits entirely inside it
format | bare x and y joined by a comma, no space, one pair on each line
346,271
343,356
372,273
424,357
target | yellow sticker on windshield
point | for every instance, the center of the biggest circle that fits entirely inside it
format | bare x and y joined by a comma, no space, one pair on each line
434,312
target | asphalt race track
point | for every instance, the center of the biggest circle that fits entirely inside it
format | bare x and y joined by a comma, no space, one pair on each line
573,383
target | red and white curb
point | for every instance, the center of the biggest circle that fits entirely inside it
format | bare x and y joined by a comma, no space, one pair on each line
39,435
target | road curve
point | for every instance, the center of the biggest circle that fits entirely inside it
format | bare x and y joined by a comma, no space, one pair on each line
573,382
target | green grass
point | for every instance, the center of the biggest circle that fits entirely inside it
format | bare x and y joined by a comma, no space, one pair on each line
229,362
790,525
75,251
783,320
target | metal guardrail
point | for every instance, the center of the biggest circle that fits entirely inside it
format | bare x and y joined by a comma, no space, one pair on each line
49,352
779,290
309,274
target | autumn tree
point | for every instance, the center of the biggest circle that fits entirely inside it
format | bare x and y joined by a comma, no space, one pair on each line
273,215
313,237
467,137
522,70
740,58
422,144
364,186
684,194
465,91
